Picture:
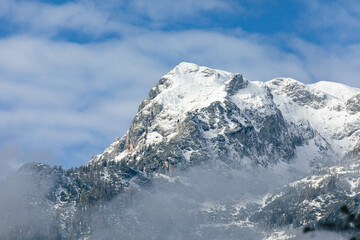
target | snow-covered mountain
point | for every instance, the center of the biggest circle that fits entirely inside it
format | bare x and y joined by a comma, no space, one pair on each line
217,156
195,114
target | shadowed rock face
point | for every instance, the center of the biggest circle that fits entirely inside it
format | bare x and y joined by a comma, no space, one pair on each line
236,83
353,104
220,131
355,151
298,92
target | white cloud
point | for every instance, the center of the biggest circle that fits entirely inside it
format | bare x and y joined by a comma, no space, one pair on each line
9,161
163,10
98,18
247,54
332,21
335,63
54,95
11,158
48,19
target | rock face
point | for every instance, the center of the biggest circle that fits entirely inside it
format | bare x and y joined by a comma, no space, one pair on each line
236,83
271,132
353,104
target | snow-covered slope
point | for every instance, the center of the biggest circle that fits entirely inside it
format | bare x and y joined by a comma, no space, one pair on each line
338,90
325,109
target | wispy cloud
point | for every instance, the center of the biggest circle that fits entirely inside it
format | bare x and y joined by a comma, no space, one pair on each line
37,18
11,158
98,18
332,21
163,11
338,63
55,95
244,54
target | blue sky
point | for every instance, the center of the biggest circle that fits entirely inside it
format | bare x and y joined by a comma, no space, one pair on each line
72,73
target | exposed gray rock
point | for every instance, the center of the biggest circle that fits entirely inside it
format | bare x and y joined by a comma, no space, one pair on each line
353,104
299,94
236,83
355,151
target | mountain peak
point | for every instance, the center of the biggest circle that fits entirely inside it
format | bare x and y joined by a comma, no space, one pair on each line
185,69
196,113
236,83
188,85
187,66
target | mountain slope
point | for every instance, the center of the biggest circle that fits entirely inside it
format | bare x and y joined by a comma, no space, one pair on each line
196,113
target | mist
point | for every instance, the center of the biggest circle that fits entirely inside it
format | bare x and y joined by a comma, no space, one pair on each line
25,212
209,201
203,202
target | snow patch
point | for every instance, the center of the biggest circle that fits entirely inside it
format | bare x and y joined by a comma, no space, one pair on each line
153,138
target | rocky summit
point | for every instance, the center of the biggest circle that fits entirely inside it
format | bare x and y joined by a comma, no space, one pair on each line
209,155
